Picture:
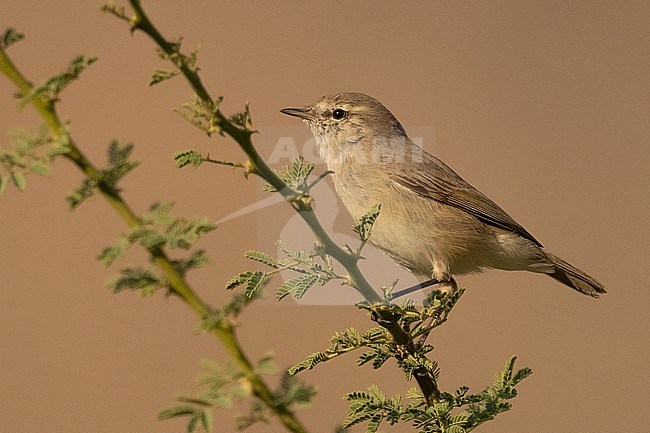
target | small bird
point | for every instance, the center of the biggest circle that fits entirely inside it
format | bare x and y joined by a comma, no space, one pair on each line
432,222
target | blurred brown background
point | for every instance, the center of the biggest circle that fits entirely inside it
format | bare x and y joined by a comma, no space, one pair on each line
542,105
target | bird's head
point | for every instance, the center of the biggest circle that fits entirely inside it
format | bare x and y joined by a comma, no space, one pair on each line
349,125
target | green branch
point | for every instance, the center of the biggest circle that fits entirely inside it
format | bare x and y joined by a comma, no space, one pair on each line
258,166
223,329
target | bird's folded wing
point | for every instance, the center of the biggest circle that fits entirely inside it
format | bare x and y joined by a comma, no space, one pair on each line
448,188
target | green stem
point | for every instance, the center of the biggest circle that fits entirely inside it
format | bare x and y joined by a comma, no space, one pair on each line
258,166
228,338
223,330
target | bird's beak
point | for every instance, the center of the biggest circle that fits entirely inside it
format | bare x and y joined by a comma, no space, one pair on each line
303,113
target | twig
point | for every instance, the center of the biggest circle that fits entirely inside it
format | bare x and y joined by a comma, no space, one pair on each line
223,329
258,166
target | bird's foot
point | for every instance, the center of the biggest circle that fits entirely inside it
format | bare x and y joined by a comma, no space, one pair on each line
448,287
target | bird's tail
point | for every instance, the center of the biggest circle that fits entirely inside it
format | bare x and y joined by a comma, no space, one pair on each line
573,277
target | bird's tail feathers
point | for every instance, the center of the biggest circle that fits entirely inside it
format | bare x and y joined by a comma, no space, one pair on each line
573,277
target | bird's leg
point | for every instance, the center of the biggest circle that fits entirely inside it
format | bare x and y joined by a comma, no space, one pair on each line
414,288
448,286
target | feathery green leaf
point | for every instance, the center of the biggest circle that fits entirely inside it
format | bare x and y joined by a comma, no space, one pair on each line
160,75
19,181
188,157
202,114
53,86
309,363
297,285
10,37
261,257
251,280
364,226
137,278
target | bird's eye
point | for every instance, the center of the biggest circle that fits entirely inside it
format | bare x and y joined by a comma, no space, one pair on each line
339,114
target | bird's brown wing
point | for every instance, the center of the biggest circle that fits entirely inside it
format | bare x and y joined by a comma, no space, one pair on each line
436,181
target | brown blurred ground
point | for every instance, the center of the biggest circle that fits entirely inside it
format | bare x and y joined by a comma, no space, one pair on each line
542,105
